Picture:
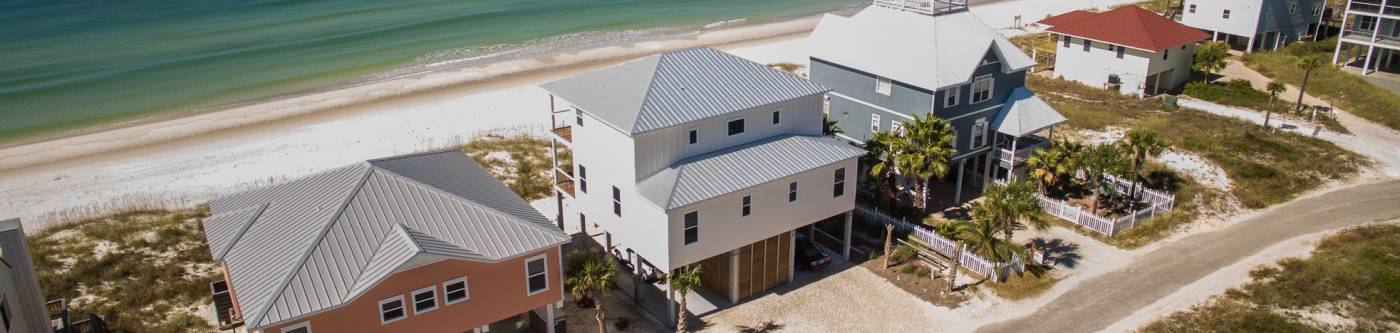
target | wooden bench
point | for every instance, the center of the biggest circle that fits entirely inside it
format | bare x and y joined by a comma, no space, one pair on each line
935,262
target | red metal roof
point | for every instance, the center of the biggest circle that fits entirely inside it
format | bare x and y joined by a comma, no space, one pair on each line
1129,26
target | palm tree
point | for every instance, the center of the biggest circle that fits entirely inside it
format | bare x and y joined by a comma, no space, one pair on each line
1210,58
1010,204
925,150
882,150
1047,166
982,239
1097,161
956,230
829,127
1274,89
1308,65
1141,144
685,279
593,279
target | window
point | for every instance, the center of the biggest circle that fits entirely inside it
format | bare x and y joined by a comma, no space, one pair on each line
1292,8
617,201
536,277
302,327
792,192
1192,9
1121,50
777,117
950,96
579,116
694,136
1166,53
1088,45
1113,79
391,310
747,205
692,227
979,133
736,126
582,179
874,123
1317,9
1066,38
424,300
990,61
882,85
897,127
455,290
1225,14
838,184
1366,23
982,89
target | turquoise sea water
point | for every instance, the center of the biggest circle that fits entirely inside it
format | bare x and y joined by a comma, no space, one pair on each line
68,65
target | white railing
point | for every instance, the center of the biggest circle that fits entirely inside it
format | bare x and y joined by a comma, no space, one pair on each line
1157,201
944,246
926,7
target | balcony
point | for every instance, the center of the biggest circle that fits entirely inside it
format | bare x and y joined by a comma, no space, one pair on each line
61,321
1374,7
1364,37
561,121
924,7
1025,146
564,182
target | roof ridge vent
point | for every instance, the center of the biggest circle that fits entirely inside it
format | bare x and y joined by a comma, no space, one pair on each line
925,7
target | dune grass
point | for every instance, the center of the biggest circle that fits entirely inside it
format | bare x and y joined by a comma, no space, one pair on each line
1030,284
520,160
1352,277
1344,90
142,270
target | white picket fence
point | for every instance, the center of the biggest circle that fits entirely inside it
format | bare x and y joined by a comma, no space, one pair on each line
1157,201
944,246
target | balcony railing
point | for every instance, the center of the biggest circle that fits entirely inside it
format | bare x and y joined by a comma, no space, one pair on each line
1374,7
925,7
1365,36
1024,148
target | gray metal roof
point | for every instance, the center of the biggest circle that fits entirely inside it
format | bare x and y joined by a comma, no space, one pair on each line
727,171
931,52
1024,113
322,240
674,88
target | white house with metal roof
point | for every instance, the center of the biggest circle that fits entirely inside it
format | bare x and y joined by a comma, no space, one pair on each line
426,242
897,59
701,157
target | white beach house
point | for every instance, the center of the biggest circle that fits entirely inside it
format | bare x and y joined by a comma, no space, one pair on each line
701,157
1129,49
1372,28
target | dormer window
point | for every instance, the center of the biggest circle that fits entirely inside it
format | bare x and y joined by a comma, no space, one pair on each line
882,85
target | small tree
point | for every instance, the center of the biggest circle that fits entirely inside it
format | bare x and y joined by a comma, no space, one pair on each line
889,243
1274,89
685,279
982,239
1308,65
926,150
593,280
1210,58
1047,166
882,149
1008,205
1098,160
829,127
956,231
1141,144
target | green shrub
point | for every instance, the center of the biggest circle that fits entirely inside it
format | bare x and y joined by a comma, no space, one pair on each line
901,253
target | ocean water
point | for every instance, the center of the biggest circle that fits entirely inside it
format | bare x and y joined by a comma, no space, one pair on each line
69,65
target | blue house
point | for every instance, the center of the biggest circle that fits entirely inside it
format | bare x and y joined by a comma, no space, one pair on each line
897,59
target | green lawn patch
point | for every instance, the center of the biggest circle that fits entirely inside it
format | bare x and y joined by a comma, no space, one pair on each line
142,271
1344,90
1353,276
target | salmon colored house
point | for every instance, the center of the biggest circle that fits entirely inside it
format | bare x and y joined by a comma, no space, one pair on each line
418,243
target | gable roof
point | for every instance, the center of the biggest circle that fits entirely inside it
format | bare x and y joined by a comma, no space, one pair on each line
722,172
930,52
1130,26
318,242
674,88
1024,113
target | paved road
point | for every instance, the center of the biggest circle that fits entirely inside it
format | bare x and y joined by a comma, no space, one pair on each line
1104,300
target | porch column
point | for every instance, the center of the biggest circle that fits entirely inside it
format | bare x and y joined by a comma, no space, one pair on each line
957,190
670,307
1366,64
1011,173
549,318
1337,54
1322,25
991,158
1250,47
846,241
1214,35
734,273
792,262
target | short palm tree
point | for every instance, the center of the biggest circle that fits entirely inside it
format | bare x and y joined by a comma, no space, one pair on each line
593,279
1010,204
882,149
1047,166
982,239
1274,89
956,230
1211,57
1308,65
829,127
685,280
1141,144
926,150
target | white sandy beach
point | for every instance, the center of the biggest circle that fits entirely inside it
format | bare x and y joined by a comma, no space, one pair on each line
194,159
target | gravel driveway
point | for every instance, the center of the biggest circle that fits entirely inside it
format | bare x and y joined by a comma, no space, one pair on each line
827,303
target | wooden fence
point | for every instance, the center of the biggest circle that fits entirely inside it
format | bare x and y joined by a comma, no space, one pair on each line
944,246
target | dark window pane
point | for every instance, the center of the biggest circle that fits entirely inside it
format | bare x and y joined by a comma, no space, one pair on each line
617,208
692,219
535,267
393,314
692,235
736,126
456,295
294,330
777,117
841,174
838,189
694,136
537,283
617,194
390,305
746,210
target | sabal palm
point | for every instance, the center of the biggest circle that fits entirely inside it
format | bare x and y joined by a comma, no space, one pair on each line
593,280
982,239
1141,144
1274,89
1047,166
1098,160
1308,65
1211,57
956,230
882,150
1010,204
685,280
925,150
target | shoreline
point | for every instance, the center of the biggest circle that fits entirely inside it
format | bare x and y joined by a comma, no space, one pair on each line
137,133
